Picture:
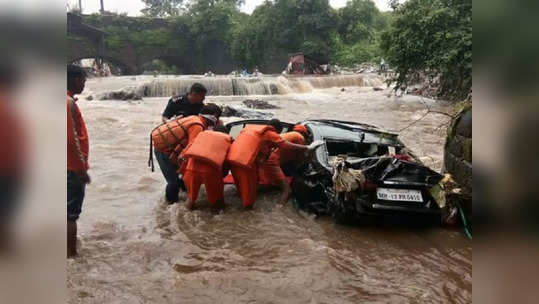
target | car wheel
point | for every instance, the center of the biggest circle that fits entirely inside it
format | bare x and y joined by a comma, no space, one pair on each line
343,215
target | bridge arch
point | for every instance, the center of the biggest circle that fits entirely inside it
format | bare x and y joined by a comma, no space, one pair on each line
125,68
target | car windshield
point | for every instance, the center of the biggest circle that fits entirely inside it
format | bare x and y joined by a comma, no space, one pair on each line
356,150
235,129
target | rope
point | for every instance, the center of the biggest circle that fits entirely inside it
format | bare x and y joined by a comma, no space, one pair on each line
150,159
465,223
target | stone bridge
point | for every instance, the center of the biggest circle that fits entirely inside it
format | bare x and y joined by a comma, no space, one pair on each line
86,41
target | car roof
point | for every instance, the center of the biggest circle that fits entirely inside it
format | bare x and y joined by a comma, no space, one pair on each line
339,130
350,131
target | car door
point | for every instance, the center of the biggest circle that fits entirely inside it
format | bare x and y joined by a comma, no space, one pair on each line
234,128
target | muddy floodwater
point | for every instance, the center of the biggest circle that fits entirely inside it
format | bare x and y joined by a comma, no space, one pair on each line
136,249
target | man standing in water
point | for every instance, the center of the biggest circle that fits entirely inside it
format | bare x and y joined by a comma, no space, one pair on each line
167,155
185,105
77,155
179,106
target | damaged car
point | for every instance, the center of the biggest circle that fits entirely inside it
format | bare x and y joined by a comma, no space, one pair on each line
361,175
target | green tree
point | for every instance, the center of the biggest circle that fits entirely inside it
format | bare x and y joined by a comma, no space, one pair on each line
190,33
356,20
359,26
279,27
212,26
162,8
432,38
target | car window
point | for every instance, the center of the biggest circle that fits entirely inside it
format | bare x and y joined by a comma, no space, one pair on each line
354,149
236,129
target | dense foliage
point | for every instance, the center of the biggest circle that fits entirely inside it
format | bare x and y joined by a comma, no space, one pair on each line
432,39
419,39
187,31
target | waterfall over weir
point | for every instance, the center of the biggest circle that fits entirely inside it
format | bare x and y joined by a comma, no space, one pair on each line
265,85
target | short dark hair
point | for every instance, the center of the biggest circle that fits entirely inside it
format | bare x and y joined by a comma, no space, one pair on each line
221,129
198,88
75,71
212,109
276,124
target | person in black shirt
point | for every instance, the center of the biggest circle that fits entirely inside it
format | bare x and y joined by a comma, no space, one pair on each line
185,105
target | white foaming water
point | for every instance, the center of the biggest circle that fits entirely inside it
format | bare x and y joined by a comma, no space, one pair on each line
266,85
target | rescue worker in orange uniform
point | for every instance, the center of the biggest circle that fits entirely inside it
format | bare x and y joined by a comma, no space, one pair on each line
205,159
297,136
271,172
251,150
171,138
77,155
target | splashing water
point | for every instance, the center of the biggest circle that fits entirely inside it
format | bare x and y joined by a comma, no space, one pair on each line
135,249
267,85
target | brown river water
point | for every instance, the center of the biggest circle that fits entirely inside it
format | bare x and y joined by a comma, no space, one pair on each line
136,249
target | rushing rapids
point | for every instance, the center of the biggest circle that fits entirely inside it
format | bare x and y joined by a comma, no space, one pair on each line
264,85
135,249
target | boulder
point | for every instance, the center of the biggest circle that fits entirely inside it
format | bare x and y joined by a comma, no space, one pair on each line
458,156
119,95
259,104
229,111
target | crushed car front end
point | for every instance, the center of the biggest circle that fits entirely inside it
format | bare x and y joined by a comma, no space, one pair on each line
363,174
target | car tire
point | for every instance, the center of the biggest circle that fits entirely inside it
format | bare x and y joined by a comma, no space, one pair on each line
342,215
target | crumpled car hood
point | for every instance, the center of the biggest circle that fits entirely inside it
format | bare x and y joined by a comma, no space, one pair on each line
391,170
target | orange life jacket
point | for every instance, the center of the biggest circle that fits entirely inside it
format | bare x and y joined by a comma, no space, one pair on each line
210,147
288,153
294,137
244,150
168,136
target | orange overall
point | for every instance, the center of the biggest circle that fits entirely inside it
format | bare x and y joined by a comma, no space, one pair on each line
198,172
270,172
205,158
246,174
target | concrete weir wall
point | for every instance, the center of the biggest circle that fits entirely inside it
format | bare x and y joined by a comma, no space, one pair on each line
266,85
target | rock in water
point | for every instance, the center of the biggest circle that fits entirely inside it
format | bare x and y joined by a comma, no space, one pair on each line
119,95
230,111
89,97
273,89
259,104
458,155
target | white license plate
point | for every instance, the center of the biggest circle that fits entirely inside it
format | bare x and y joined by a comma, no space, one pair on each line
403,195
